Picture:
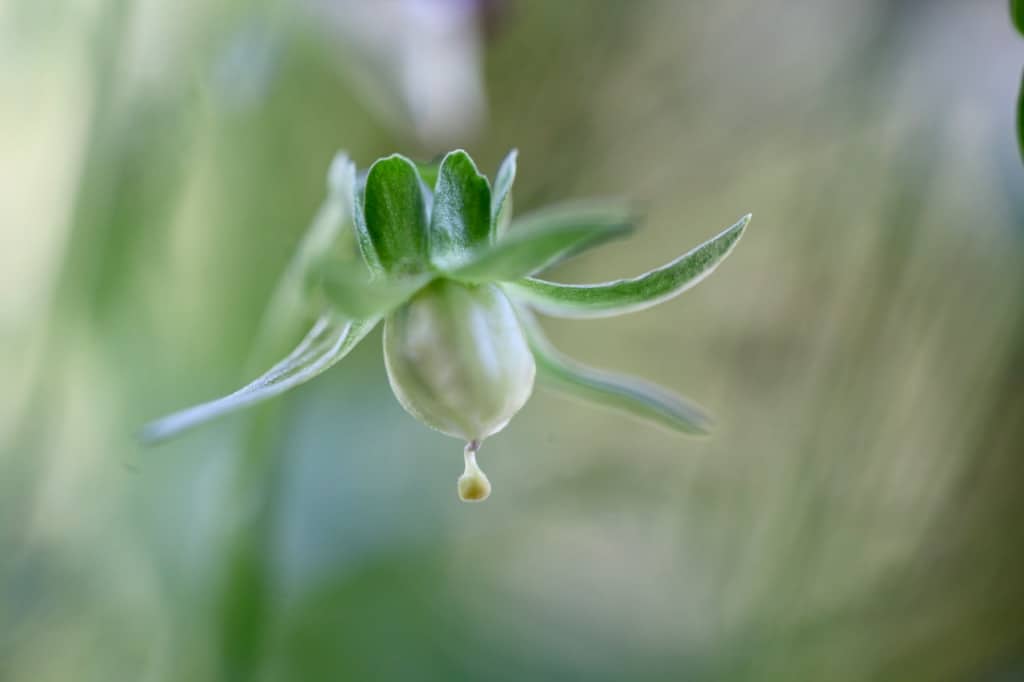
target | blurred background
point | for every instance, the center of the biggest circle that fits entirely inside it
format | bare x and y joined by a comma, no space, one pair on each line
857,515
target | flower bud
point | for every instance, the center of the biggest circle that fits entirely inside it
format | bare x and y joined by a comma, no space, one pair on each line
457,359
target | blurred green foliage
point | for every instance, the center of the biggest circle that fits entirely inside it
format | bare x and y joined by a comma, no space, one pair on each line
855,516
1017,15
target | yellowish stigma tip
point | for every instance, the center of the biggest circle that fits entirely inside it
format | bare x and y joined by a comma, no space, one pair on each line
473,483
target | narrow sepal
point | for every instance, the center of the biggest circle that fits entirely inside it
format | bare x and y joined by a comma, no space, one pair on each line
629,295
544,238
327,342
629,394
501,202
331,234
362,232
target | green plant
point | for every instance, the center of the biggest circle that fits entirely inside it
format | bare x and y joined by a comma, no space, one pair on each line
433,253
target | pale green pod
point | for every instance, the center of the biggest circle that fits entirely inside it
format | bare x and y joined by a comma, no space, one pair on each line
458,360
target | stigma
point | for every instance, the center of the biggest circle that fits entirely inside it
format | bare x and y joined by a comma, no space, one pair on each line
473,483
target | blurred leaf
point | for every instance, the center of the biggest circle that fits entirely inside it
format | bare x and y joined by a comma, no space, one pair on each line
1020,116
628,295
500,203
628,394
1017,14
326,343
461,217
545,238
395,215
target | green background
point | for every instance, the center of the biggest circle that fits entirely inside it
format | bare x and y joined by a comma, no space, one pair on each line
857,514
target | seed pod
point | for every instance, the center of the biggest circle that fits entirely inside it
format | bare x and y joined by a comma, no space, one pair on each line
457,359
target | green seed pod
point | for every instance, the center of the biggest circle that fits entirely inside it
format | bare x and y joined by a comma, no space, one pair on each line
457,359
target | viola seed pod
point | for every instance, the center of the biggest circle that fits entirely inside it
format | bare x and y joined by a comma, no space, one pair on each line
458,360
424,247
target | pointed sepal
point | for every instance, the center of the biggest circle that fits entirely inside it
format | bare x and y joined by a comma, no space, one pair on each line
629,295
501,199
625,393
327,342
539,240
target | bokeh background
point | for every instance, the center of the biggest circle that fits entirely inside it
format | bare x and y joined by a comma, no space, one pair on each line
857,515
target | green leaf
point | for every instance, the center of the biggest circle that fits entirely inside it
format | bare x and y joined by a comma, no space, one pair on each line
629,295
501,203
395,214
327,342
628,394
544,238
1017,14
461,216
353,295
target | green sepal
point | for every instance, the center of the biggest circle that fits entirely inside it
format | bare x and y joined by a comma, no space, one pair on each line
327,342
352,294
544,238
621,392
395,215
363,241
629,295
1017,14
461,215
331,234
501,201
